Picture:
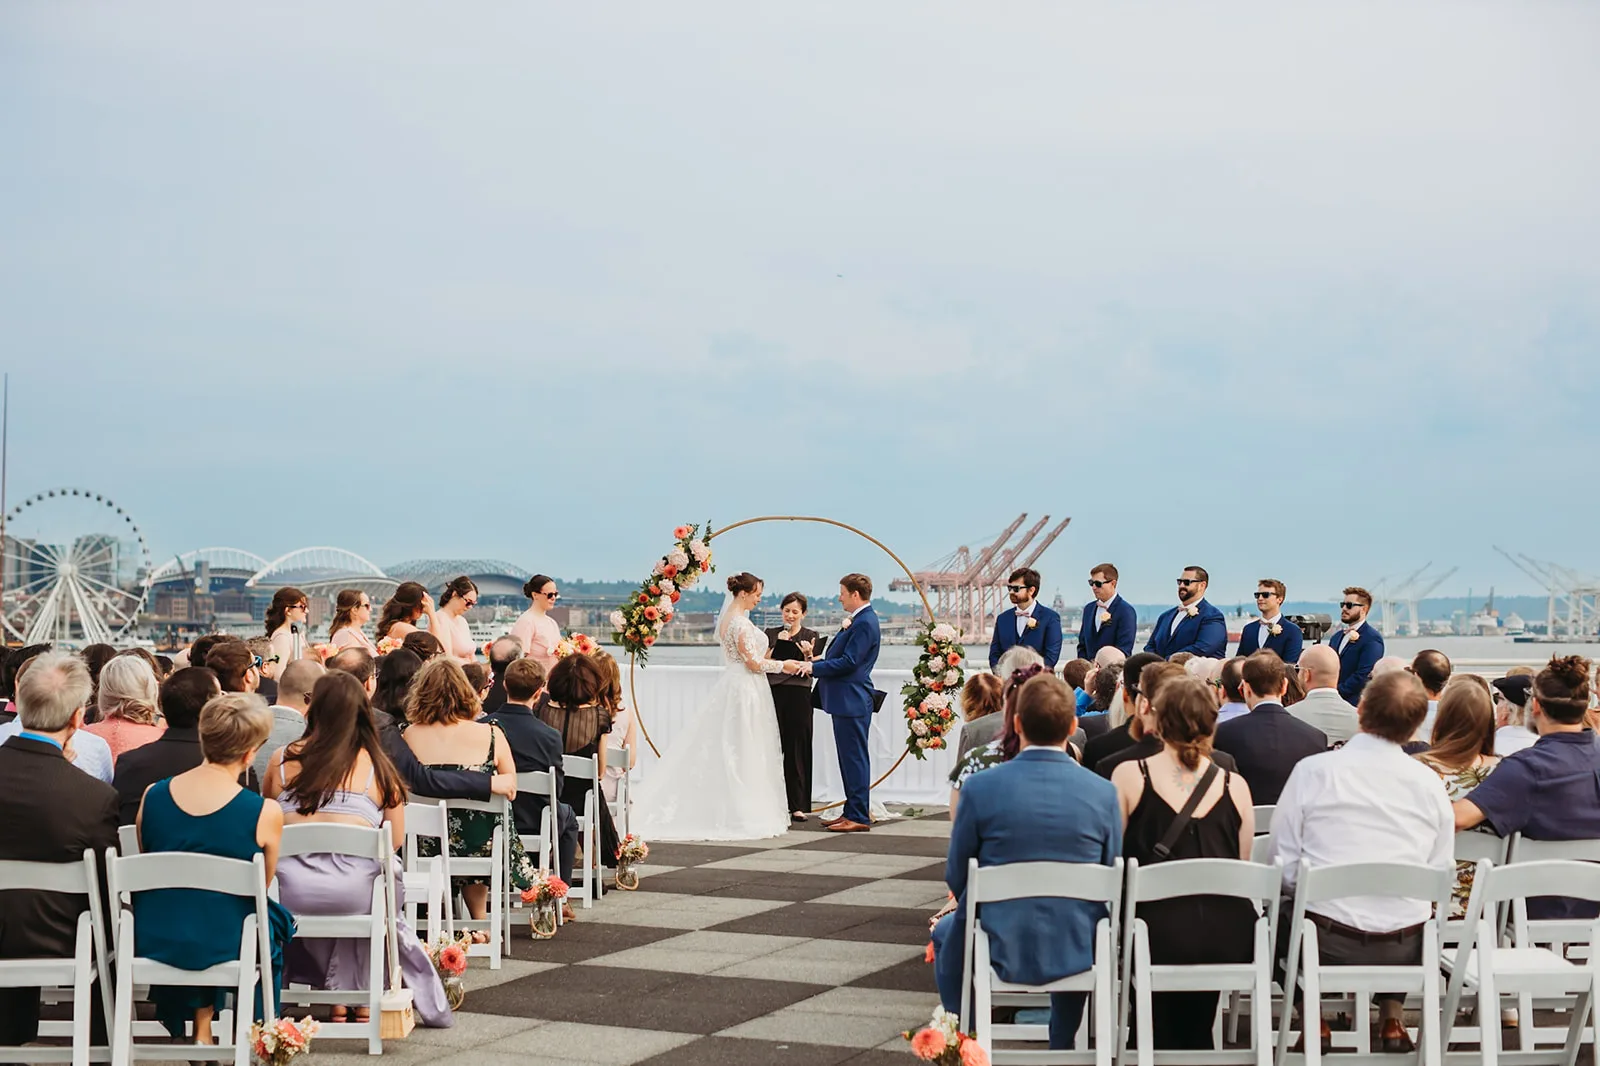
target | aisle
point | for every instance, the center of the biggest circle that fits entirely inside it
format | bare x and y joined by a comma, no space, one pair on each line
806,949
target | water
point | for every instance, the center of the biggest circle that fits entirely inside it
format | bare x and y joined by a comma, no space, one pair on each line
904,657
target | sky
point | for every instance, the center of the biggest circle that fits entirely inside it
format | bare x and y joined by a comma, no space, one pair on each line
1308,292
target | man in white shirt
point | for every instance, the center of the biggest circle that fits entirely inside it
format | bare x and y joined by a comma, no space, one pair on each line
1323,707
1367,802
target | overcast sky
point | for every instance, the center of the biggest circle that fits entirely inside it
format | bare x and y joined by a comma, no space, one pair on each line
1307,293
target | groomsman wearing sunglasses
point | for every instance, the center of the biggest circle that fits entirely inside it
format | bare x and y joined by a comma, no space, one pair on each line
1194,625
1271,630
1027,622
1109,621
1359,645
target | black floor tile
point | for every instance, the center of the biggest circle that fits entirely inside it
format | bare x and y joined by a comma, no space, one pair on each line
731,1051
835,921
693,854
878,844
931,872
582,940
796,888
913,975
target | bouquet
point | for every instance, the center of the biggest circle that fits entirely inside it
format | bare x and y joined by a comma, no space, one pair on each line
929,702
389,644
632,849
638,622
449,957
943,1042
577,644
547,889
324,652
277,1042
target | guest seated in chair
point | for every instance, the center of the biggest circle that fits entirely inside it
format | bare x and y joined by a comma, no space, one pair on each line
51,812
535,747
577,709
338,774
1039,807
207,811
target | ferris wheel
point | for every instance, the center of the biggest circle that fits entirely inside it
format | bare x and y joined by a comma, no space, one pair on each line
77,569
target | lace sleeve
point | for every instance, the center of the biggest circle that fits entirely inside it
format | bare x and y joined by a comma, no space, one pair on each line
753,649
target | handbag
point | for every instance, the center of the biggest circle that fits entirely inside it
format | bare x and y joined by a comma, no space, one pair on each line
1163,847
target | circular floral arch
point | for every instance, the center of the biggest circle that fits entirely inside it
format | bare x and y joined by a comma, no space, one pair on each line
928,697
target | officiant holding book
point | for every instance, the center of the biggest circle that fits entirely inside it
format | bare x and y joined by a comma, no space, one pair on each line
791,698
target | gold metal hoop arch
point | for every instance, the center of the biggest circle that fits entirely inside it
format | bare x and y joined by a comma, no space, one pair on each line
926,606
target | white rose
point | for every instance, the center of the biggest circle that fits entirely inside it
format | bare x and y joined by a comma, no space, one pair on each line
618,620
677,558
952,676
919,727
943,633
922,742
937,701
699,550
666,586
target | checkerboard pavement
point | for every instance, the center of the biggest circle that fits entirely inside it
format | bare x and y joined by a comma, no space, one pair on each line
803,949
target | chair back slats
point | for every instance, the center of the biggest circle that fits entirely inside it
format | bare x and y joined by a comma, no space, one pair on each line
322,838
1204,877
128,839
1472,846
1400,880
1524,850
186,869
1564,877
68,877
494,805
1264,812
1067,880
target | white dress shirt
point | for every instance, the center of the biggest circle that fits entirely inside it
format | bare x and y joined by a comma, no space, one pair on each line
1177,619
1022,618
1264,630
1366,802
93,753
1103,609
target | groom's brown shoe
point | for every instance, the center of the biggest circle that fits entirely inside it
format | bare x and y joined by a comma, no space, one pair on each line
829,823
845,825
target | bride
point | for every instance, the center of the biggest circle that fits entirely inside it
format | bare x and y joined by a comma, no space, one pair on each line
723,778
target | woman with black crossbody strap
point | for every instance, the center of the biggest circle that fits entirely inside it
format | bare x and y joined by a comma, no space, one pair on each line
791,699
1179,804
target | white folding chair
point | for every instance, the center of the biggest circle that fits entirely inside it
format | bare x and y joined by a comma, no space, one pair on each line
426,881
1568,937
1260,885
622,809
587,874
1261,849
494,866
250,973
128,839
1264,812
543,843
1090,882
1304,964
1470,846
373,925
76,971
1533,973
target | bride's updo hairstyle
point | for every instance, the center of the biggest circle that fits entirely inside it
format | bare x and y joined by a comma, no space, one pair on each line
1562,689
743,582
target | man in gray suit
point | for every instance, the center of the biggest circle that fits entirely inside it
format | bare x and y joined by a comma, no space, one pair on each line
1323,707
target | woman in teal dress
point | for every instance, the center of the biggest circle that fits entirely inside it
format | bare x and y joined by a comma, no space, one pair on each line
207,812
440,709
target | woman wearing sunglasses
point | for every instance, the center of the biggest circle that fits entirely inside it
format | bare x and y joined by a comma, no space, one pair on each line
539,632
351,612
286,624
459,597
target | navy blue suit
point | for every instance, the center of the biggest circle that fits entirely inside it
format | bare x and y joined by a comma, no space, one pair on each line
1039,807
1044,637
844,687
1120,632
1287,644
1356,659
1205,635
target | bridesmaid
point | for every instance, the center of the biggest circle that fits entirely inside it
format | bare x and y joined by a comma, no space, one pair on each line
459,597
405,608
351,611
539,632
287,624
791,697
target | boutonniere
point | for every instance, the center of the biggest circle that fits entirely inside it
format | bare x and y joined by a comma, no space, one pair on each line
1351,636
845,624
1033,623
1192,610
1105,616
1275,629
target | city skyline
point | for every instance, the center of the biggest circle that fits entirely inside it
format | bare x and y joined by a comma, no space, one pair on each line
541,284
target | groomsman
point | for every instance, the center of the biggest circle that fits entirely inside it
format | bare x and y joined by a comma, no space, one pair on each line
1194,625
1026,621
1109,621
1359,645
1272,630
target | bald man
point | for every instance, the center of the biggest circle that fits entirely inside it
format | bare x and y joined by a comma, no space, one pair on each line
1323,707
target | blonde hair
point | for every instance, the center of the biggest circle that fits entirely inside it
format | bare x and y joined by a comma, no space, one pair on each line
441,694
232,726
128,690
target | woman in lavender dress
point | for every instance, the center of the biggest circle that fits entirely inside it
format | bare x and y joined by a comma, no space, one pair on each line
339,773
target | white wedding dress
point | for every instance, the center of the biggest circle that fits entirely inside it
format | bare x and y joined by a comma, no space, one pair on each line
722,778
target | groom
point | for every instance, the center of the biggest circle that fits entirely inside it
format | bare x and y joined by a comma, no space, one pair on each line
844,687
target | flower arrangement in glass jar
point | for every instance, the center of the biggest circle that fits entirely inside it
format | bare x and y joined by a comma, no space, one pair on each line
942,1041
631,851
449,958
545,895
277,1042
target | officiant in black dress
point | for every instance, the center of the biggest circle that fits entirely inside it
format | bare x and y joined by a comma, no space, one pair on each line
791,697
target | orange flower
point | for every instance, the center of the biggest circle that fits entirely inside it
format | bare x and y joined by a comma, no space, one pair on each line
928,1045
937,686
933,649
680,532
927,954
953,659
972,1053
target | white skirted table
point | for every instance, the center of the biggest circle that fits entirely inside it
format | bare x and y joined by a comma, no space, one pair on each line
670,695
